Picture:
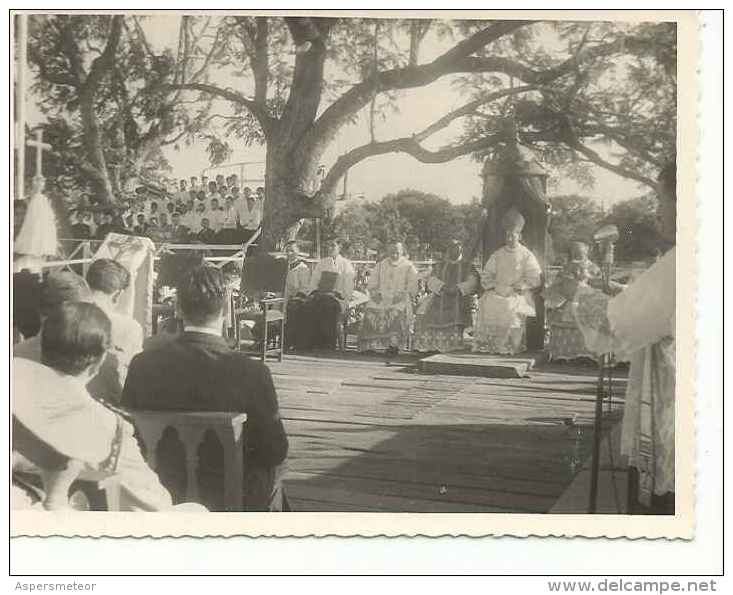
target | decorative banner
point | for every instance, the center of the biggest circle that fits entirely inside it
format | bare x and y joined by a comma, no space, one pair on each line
136,254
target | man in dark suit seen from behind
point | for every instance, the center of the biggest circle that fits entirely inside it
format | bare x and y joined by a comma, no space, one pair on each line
198,371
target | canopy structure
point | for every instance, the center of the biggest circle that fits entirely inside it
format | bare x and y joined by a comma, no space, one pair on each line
514,178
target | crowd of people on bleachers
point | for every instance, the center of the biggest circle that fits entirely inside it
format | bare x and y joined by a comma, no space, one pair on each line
202,211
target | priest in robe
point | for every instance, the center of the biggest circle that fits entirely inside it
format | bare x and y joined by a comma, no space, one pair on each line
446,311
297,285
388,313
331,286
508,278
638,325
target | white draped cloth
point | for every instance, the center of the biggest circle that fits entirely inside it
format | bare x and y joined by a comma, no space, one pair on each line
639,325
508,278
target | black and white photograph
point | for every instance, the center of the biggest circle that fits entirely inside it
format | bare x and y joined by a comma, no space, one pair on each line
378,263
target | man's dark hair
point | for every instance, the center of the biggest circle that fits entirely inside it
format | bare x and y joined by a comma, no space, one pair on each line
201,294
108,276
74,336
62,286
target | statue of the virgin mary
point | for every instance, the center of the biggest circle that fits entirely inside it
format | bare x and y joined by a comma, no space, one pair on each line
37,237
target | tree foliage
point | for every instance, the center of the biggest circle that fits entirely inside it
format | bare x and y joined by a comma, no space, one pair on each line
98,80
423,222
639,237
574,218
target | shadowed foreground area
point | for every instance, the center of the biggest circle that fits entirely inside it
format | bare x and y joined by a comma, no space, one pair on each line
369,437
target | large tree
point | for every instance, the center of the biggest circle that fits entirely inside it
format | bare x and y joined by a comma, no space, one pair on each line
301,80
98,81
294,84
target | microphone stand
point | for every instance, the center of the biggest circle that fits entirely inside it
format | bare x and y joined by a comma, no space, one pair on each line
604,363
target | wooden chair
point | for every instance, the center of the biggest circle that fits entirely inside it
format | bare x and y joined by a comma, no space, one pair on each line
192,429
263,281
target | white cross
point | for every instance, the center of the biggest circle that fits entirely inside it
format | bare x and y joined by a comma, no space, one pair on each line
40,147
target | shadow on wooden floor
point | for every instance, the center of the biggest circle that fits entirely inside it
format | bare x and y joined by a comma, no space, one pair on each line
439,468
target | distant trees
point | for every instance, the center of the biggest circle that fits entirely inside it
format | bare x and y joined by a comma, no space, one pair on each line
576,218
424,222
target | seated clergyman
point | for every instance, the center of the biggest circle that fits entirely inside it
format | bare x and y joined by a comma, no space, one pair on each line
331,287
51,404
510,275
198,371
388,314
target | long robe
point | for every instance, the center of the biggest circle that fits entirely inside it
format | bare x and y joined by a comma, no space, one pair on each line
324,309
639,325
446,311
508,278
387,321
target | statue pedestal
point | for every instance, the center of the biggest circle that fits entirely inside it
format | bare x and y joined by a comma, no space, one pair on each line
478,364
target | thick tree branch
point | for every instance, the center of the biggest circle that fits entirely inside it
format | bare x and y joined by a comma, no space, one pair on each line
622,141
407,145
260,66
104,63
468,109
571,139
309,36
405,78
72,52
258,111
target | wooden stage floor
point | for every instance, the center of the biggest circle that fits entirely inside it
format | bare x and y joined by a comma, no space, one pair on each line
369,437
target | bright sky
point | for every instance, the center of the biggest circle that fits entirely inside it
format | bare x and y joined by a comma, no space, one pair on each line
458,181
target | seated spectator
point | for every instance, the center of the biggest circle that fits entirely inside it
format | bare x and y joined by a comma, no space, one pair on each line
52,405
213,190
107,280
194,223
260,193
58,287
153,210
26,305
215,215
229,221
206,235
201,373
179,232
141,228
105,226
250,216
164,228
153,228
81,230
